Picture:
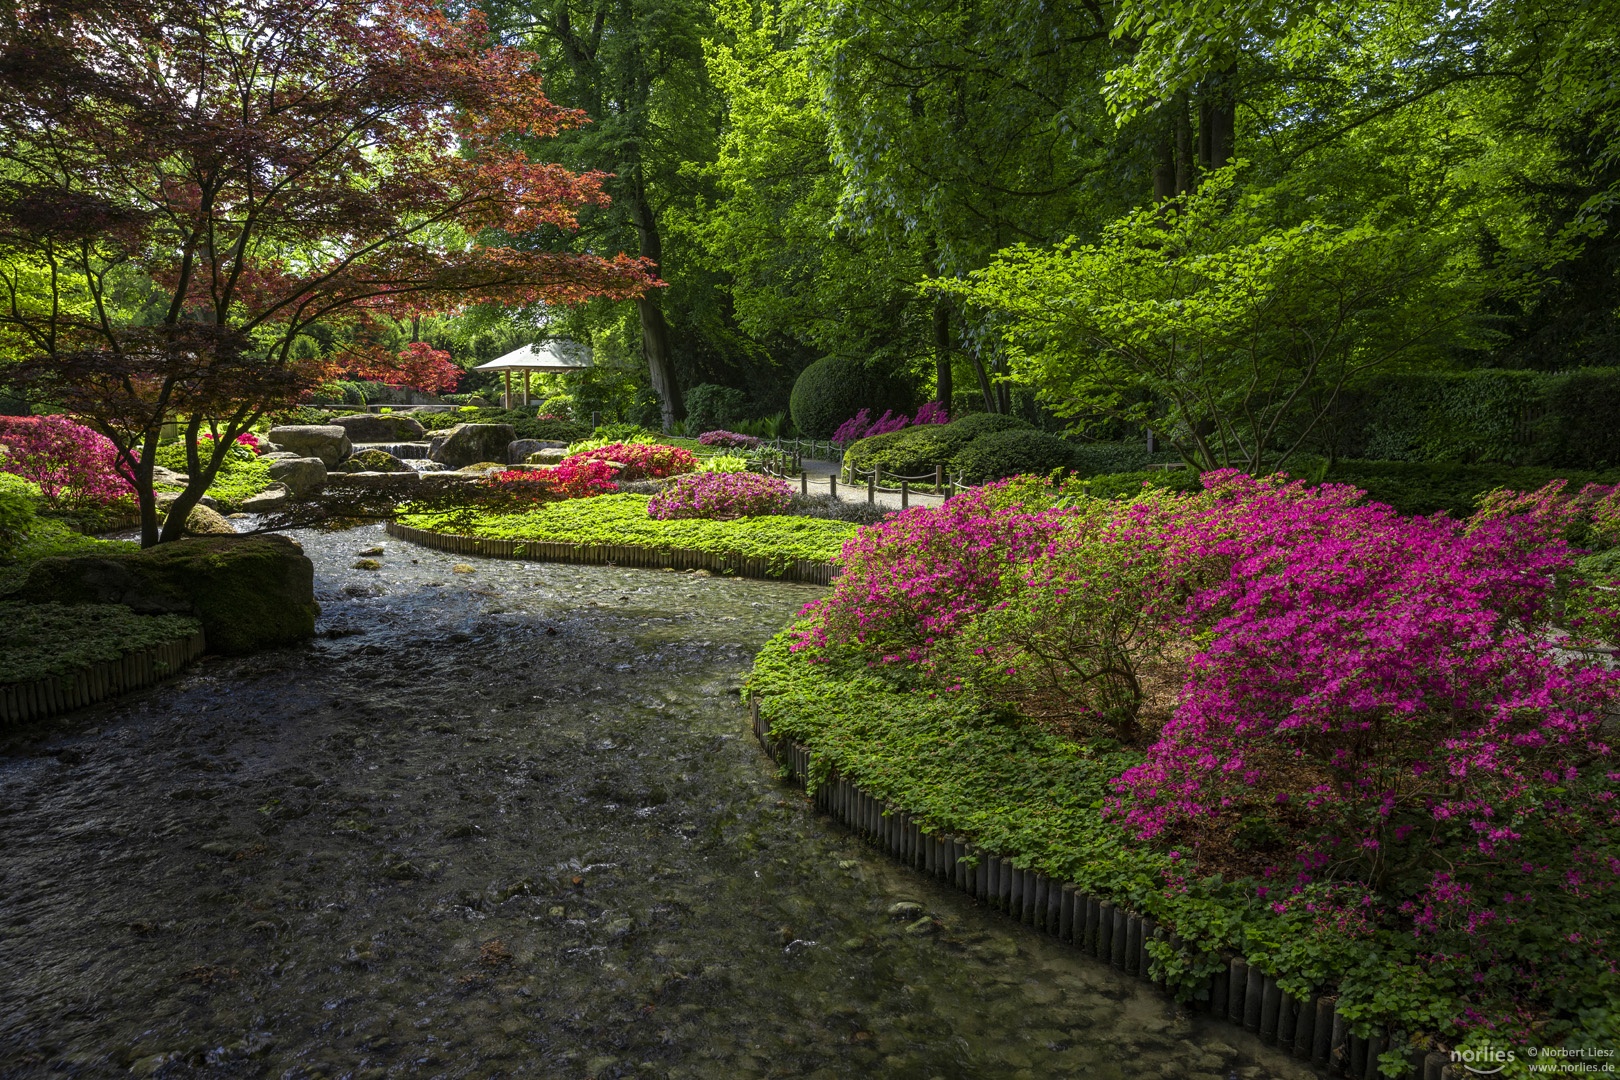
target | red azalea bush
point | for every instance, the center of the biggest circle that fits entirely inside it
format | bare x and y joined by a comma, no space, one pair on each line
731,439
720,496
641,461
565,481
75,467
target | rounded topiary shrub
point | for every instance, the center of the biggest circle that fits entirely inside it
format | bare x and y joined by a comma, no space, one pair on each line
1011,453
835,388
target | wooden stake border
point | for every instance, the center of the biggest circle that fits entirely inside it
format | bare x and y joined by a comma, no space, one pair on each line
35,699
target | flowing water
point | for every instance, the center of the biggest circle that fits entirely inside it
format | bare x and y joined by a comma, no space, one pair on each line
503,819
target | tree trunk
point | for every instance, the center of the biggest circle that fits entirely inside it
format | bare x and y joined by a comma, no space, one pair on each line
654,328
1181,125
1164,171
942,351
1220,120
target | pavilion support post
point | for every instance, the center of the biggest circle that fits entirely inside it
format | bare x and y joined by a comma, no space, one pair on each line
506,402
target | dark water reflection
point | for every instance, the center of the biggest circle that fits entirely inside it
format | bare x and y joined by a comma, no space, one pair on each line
505,822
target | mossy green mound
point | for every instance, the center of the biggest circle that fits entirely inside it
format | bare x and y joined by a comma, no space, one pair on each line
250,593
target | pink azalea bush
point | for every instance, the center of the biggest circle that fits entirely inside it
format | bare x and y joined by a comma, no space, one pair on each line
75,468
721,496
919,577
1376,675
862,426
641,461
731,439
1372,730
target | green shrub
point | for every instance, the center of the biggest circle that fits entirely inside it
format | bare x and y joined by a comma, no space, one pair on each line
835,388
1129,485
1098,459
712,408
1011,453
914,451
1420,487
1485,415
16,521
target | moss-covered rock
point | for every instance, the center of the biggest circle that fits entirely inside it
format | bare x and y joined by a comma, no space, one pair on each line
374,460
249,593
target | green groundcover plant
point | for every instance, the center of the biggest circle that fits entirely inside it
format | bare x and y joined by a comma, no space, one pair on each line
37,640
623,520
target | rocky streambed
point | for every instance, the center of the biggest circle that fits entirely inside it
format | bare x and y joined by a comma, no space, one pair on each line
503,819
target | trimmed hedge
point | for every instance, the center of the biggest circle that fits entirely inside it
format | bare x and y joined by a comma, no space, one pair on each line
1011,453
835,388
1417,487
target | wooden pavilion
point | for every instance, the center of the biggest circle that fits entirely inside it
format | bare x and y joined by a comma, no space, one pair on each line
550,356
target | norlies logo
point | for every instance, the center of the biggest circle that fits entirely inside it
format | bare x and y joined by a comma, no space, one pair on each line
1482,1061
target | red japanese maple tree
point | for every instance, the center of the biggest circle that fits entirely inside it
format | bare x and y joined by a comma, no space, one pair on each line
418,365
199,182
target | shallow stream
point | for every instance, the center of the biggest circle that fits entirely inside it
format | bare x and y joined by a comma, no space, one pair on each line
504,819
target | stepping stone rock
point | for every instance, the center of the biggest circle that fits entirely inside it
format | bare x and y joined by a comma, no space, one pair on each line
302,476
520,450
265,501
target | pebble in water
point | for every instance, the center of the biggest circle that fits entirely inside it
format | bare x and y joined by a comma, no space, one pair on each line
481,827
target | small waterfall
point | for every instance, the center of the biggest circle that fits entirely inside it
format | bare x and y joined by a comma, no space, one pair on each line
405,451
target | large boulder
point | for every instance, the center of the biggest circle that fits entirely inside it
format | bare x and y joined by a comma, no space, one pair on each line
303,476
380,427
518,450
250,593
467,444
329,442
551,455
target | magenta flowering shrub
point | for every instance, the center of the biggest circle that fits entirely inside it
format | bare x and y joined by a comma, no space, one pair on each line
75,467
1372,685
731,439
921,576
861,425
721,496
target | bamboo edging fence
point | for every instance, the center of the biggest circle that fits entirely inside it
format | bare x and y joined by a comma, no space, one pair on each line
21,702
809,571
1312,1030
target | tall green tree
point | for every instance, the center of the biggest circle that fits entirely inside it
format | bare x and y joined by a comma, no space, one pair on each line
636,70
